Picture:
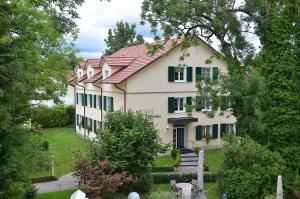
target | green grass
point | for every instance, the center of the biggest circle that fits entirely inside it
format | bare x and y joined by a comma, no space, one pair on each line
211,193
213,159
63,143
164,161
57,195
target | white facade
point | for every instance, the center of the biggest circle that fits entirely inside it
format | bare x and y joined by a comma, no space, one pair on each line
151,91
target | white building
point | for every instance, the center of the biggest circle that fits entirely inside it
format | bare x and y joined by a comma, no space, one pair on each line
67,99
132,79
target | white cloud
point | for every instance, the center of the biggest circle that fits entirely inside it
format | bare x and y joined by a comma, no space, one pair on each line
98,16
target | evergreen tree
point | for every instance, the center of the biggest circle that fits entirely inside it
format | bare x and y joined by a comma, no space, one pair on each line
34,58
123,35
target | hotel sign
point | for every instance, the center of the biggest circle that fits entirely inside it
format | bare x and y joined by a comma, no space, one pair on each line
150,113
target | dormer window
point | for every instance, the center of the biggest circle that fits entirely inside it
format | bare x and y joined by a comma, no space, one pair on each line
106,74
90,74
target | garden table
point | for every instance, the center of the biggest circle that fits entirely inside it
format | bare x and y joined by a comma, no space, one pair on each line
186,189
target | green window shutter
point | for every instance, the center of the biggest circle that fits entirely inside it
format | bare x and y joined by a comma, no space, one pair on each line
189,100
76,98
215,131
112,104
215,103
91,100
223,129
198,132
170,104
171,73
100,101
85,99
224,103
198,74
215,73
237,131
95,126
95,101
104,103
77,119
189,73
199,103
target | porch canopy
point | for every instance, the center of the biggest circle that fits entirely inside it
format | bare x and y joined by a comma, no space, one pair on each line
182,120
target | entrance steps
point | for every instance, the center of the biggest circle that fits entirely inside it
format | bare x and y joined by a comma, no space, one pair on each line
189,160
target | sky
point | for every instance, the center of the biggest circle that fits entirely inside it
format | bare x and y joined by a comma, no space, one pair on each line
97,17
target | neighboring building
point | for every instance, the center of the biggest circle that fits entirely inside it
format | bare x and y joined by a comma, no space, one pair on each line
67,99
132,79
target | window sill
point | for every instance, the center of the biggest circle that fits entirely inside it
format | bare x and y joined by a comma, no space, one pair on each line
179,111
180,81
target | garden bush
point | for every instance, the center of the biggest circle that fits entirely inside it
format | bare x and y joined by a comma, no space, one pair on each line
250,170
56,116
43,179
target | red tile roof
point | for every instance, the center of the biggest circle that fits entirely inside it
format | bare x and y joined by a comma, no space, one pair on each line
137,58
83,77
119,61
93,62
95,78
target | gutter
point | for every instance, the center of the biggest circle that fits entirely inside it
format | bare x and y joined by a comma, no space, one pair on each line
84,130
124,96
101,103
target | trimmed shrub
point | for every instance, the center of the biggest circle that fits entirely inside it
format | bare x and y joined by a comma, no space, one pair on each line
161,169
43,179
174,153
159,178
56,116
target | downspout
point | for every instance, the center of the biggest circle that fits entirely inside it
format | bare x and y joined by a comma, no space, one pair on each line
101,103
75,102
84,133
124,96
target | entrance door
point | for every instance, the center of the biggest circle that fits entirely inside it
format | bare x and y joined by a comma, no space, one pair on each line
180,137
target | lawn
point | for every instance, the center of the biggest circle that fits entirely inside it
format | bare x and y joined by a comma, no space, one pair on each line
164,161
157,189
213,159
63,143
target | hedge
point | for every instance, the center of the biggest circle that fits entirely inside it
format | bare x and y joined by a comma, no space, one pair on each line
159,178
43,179
55,116
171,168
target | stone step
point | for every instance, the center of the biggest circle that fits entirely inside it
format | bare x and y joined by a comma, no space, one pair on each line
188,163
189,159
188,155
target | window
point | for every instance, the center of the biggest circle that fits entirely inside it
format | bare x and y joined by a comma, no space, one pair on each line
90,74
206,105
98,125
179,105
79,75
206,72
180,74
106,74
109,103
230,128
206,129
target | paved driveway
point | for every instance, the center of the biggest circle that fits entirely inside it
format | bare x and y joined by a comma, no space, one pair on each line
65,182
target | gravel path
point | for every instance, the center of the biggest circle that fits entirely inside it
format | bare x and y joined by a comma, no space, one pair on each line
65,182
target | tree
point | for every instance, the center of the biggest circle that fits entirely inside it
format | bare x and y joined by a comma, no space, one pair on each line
34,58
264,97
131,142
99,179
250,170
123,35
